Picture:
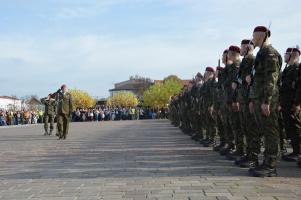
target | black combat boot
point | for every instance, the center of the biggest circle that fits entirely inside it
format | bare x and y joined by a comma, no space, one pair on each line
291,157
225,150
232,154
249,163
240,159
209,143
218,147
264,170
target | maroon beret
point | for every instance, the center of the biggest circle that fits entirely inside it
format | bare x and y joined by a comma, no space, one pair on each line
209,69
246,42
236,49
219,68
63,86
226,51
290,50
262,29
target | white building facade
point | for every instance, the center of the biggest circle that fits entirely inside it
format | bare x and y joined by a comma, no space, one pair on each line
10,103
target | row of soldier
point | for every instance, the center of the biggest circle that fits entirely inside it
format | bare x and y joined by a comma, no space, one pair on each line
248,104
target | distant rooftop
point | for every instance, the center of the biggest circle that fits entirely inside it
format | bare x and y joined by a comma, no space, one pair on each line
8,97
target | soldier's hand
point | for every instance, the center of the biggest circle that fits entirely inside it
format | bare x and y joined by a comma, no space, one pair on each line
235,106
296,109
251,107
248,79
265,109
210,110
279,108
234,86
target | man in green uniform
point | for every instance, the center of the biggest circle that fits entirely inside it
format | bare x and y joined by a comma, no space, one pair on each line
241,103
49,114
64,111
264,102
218,108
296,107
232,123
292,119
208,94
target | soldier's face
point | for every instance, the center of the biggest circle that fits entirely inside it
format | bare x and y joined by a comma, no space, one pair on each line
65,89
258,38
224,58
286,57
243,49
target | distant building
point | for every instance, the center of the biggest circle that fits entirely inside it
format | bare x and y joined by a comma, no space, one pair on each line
136,85
184,82
10,103
33,103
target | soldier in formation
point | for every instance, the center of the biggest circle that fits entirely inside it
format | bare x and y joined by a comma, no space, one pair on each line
246,106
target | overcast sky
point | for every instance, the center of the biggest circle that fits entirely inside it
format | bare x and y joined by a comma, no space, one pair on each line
91,44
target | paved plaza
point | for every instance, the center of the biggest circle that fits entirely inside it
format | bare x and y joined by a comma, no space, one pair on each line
128,160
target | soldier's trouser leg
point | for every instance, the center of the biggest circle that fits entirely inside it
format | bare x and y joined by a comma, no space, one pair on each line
293,128
66,120
220,126
213,127
228,128
51,118
239,137
253,137
60,122
270,129
244,116
282,132
46,119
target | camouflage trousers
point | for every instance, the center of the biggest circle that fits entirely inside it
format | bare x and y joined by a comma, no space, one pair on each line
238,134
211,129
292,124
249,131
47,119
229,134
270,131
220,123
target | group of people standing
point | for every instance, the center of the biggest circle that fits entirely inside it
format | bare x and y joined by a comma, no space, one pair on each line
249,104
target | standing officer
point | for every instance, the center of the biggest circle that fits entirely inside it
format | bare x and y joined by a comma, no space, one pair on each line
292,119
241,103
64,111
49,113
265,99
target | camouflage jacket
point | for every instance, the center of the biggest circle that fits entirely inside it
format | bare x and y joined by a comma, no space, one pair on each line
50,106
245,69
267,67
288,89
230,74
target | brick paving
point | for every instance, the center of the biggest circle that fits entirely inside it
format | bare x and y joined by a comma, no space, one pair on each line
128,160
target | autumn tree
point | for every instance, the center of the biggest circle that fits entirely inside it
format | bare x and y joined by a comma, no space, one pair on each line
123,99
82,99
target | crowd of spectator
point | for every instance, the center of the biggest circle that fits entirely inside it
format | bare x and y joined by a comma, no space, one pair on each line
20,117
101,113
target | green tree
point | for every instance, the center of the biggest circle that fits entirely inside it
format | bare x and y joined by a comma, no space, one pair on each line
158,95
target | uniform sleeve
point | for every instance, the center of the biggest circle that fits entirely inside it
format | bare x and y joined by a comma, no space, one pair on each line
271,72
71,104
298,88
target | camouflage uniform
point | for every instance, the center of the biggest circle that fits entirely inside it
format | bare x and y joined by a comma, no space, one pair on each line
267,65
49,114
292,121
